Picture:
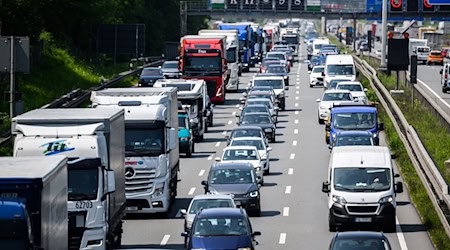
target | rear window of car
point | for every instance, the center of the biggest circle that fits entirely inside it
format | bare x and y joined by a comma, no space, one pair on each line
436,53
148,72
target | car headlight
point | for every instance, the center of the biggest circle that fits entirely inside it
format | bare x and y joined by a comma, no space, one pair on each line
257,169
334,136
339,199
374,135
323,107
159,189
386,199
253,194
285,77
267,130
281,95
184,138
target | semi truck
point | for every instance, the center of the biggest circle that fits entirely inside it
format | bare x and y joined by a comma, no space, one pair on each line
245,42
192,94
232,55
151,144
204,58
93,141
33,203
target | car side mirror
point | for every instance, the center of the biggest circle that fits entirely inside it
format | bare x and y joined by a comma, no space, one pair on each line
269,149
330,147
259,180
205,183
227,137
183,211
365,89
237,115
286,88
317,100
396,175
217,159
326,187
381,126
184,234
394,156
256,233
323,73
399,187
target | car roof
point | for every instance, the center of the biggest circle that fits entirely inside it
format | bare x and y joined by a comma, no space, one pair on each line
354,108
336,91
360,156
258,113
259,99
255,105
220,212
359,234
233,165
247,139
212,196
245,127
240,147
268,77
350,82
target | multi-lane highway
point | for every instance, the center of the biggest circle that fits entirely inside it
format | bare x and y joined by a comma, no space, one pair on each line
294,210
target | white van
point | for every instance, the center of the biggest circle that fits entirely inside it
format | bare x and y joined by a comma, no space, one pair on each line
317,45
422,53
445,77
361,187
339,67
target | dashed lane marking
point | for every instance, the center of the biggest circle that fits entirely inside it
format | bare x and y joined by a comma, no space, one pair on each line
296,121
288,190
165,239
290,171
230,122
295,131
191,191
296,112
218,144
210,157
294,143
286,211
282,240
201,172
292,156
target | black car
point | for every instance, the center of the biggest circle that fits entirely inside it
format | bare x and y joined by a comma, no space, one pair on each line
170,69
359,240
259,108
246,131
313,61
209,113
221,228
238,179
149,76
263,120
278,70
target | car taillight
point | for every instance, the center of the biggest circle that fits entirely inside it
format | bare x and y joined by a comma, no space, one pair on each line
445,76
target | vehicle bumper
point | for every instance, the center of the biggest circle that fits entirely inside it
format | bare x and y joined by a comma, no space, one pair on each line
98,234
247,203
145,203
315,82
269,134
340,216
324,113
172,76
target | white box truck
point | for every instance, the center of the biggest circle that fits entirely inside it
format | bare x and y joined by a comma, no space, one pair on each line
93,140
33,203
152,155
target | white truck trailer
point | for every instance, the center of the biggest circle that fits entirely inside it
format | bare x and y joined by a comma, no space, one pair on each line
151,144
94,142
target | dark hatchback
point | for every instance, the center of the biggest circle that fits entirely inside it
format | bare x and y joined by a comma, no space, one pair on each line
246,131
237,179
262,120
221,228
359,240
149,76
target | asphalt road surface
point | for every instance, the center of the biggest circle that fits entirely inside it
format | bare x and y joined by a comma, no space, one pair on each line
294,210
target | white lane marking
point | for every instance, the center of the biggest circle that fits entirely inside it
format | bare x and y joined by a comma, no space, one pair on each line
237,105
282,240
234,113
296,105
296,121
290,171
297,97
191,191
286,211
295,131
298,87
296,112
165,239
400,236
201,172
292,156
434,93
210,157
224,132
298,83
297,92
294,143
229,122
218,144
288,190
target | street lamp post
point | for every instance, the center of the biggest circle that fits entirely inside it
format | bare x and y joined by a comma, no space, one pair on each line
383,34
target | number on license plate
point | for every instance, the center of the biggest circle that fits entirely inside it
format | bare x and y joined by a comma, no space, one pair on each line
83,204
132,208
363,219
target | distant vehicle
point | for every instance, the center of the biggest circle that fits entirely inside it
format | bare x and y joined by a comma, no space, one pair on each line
333,83
339,67
445,78
316,77
279,70
282,56
238,179
445,51
364,46
185,135
435,57
222,228
356,89
266,62
352,138
329,97
268,102
360,240
422,53
170,69
149,76
313,61
246,131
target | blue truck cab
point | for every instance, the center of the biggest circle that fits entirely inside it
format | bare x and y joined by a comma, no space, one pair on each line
357,117
185,135
246,46
14,225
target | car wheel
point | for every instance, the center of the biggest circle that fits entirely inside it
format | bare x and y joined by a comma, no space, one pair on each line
193,147
206,127
273,139
331,226
189,153
311,86
267,171
390,225
258,210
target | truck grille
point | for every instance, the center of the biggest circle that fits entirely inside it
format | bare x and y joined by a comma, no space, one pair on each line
362,209
142,181
75,233
211,87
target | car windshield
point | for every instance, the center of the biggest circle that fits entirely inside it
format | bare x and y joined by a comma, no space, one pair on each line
275,83
232,176
253,96
351,87
354,121
436,53
423,50
223,226
340,69
318,69
150,72
256,119
256,143
353,140
246,133
361,243
334,82
276,69
291,39
276,55
314,59
336,97
240,154
199,204
360,179
202,63
182,122
170,65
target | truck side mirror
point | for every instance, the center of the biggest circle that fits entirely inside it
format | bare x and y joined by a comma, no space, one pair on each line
325,187
399,187
173,138
381,126
111,188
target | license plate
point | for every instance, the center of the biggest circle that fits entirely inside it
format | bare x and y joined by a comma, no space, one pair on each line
132,208
363,219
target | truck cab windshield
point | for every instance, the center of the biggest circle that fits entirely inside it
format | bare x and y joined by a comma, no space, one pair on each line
231,55
203,63
144,141
354,179
83,184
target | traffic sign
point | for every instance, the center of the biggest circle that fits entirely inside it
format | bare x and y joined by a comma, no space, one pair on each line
439,2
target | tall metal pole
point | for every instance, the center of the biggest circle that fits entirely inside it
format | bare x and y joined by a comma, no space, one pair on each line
12,87
383,34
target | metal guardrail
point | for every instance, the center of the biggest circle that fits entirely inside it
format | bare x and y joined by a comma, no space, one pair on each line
76,97
433,181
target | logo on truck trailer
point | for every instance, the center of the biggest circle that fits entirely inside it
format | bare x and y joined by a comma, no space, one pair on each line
56,147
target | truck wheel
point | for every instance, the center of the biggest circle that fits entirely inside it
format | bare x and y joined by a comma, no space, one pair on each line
206,127
173,189
273,139
193,147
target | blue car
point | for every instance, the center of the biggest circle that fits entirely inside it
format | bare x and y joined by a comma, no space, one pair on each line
221,228
185,136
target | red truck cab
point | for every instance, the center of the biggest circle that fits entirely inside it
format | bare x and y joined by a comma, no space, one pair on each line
204,58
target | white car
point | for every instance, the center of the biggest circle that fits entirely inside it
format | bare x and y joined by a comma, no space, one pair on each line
205,201
247,154
330,97
259,143
356,89
316,76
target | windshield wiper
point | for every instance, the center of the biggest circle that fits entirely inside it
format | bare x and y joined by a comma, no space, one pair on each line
343,188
